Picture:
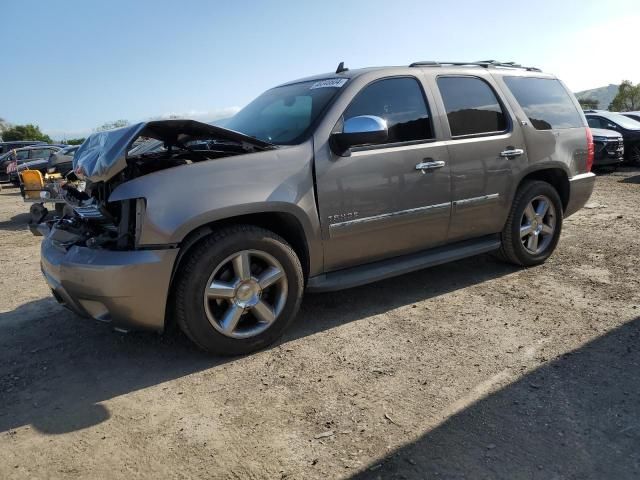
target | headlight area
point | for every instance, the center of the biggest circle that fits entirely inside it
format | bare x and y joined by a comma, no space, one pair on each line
109,225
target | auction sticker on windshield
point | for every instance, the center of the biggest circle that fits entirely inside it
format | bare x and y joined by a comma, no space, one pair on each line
329,82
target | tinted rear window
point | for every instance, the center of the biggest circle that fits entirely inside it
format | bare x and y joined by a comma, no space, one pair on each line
545,101
472,106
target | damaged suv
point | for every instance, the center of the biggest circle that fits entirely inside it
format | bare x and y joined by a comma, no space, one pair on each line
323,183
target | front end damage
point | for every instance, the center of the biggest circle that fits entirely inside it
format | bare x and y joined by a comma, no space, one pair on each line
91,256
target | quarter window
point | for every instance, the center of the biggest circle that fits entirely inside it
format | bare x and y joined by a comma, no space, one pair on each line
398,101
472,107
545,101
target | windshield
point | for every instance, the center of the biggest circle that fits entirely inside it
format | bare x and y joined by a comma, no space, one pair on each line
624,122
284,115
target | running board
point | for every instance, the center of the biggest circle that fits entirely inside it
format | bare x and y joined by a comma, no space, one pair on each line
373,272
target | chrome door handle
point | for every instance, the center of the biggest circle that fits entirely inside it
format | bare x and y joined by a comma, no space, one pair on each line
512,152
430,165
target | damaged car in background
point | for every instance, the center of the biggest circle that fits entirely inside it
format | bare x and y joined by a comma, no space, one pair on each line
320,184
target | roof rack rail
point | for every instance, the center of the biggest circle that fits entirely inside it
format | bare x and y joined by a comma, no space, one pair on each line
481,63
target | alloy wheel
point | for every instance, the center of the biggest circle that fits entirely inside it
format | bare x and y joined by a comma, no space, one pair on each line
538,224
245,293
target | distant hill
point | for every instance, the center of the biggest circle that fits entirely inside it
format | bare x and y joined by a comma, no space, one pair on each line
604,95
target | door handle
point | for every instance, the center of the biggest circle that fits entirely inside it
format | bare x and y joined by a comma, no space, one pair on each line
429,165
512,152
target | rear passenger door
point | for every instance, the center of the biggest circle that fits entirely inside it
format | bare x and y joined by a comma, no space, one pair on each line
486,151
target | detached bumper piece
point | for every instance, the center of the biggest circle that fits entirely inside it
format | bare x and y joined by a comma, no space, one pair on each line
129,289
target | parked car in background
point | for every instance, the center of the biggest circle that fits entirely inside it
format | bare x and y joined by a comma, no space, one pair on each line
6,146
632,115
608,148
6,159
62,161
36,157
323,183
627,127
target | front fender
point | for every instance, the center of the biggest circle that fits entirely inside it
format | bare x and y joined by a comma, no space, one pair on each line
181,199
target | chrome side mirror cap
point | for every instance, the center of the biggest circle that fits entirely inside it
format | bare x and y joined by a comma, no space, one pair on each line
358,131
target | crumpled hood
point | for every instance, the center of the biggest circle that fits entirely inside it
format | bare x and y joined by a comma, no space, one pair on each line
104,154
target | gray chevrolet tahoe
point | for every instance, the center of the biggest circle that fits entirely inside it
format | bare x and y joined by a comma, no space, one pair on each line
323,183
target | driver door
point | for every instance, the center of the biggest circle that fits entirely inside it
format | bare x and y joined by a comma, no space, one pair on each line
374,203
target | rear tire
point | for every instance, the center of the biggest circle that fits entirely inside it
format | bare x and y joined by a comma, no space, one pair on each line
633,158
237,290
533,227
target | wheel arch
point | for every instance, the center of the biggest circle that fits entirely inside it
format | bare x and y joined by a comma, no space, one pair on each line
284,224
555,175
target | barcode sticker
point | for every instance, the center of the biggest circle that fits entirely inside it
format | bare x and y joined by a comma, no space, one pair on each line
329,83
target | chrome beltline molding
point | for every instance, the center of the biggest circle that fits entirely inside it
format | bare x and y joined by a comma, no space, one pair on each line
472,200
341,228
399,213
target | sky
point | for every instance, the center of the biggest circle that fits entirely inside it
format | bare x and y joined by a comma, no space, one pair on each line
69,66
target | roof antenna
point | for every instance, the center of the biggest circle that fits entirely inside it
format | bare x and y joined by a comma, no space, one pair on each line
341,68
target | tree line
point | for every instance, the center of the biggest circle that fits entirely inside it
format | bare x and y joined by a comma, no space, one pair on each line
626,100
12,133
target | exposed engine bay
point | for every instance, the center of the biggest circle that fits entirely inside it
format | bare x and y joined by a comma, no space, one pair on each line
108,159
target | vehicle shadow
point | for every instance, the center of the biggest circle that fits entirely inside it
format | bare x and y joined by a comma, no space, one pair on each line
635,179
16,223
55,367
575,417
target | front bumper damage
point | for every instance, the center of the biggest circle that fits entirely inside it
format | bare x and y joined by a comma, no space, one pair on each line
129,289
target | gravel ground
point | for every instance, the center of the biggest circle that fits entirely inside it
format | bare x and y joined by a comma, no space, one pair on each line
470,370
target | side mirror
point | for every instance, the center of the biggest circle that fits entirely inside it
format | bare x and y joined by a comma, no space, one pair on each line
361,130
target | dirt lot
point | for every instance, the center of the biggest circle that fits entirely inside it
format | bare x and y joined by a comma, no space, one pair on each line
468,370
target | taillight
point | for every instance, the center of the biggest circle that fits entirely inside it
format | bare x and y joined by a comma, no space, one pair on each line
590,149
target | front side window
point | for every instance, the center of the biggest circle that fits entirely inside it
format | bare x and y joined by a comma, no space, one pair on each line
545,101
471,105
594,122
398,101
284,115
22,154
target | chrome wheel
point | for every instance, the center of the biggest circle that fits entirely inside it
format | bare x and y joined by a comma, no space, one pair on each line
538,224
245,294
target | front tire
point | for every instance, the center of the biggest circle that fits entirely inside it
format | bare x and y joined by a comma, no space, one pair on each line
532,230
237,290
